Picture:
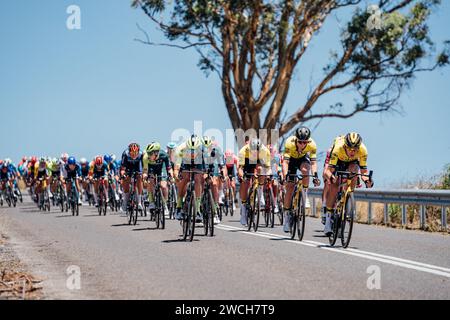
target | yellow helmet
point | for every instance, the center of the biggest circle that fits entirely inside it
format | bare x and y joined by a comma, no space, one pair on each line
353,140
193,142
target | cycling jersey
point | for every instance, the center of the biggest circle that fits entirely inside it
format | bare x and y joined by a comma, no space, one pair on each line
338,154
97,172
113,168
291,150
156,167
85,170
249,159
72,174
132,165
5,175
232,164
40,171
55,169
213,159
186,157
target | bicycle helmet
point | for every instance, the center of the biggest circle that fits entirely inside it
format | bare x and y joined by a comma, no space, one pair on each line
64,157
134,149
171,145
229,153
42,160
107,158
353,140
193,142
71,161
7,162
83,161
113,157
153,147
207,141
255,144
33,160
98,161
303,133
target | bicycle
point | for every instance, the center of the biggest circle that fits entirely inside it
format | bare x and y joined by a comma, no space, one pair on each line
44,199
172,200
253,204
61,199
132,206
17,192
208,207
73,198
280,201
10,197
269,208
102,203
158,214
113,203
345,208
188,222
298,200
229,199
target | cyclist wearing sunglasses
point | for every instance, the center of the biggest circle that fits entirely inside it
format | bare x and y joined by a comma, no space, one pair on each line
155,161
347,154
300,153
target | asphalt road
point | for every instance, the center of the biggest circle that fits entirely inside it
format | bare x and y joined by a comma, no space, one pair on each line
118,261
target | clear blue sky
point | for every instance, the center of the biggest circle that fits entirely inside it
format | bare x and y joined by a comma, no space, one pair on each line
92,91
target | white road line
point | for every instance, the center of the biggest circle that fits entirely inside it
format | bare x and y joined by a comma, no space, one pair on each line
409,264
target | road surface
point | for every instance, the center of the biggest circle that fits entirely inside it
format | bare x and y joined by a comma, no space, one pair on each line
118,261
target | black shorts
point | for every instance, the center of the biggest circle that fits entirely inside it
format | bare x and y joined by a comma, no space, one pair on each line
296,163
343,165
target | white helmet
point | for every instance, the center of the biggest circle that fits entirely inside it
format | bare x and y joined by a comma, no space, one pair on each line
7,161
64,157
113,157
83,161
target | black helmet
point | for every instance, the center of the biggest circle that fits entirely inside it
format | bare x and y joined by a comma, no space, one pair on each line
353,140
303,133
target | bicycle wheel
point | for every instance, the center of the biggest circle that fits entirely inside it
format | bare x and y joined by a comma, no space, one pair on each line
130,216
257,211
192,214
205,209
347,221
335,221
266,209
211,214
187,218
231,202
301,219
162,214
250,211
157,210
135,215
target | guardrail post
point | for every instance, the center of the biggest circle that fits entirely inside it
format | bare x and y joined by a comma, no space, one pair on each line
444,218
369,213
404,222
422,217
386,211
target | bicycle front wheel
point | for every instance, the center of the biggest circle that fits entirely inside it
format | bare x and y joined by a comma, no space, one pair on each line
301,217
347,221
335,221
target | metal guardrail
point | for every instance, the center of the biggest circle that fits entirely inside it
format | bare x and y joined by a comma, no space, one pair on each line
422,198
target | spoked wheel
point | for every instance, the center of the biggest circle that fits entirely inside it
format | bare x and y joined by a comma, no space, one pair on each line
280,213
211,215
301,219
231,203
130,216
256,214
189,220
135,215
335,221
347,222
205,210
